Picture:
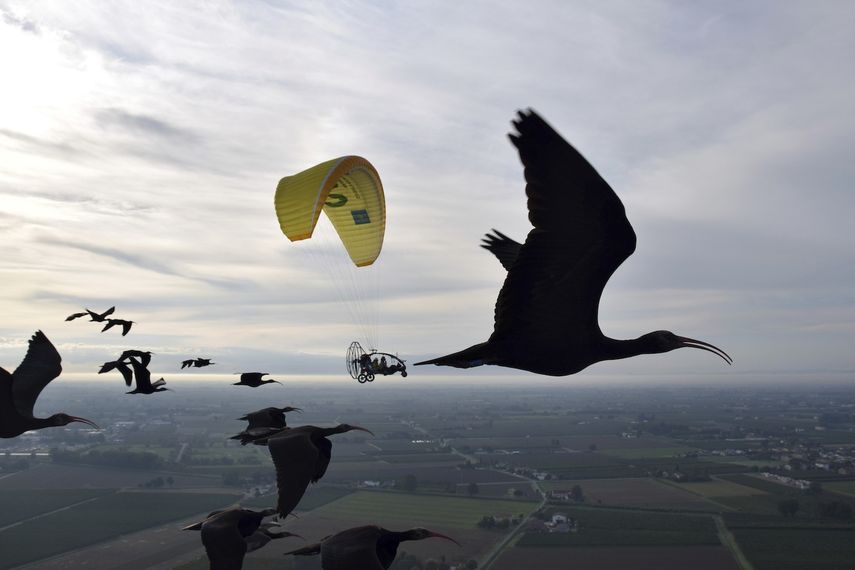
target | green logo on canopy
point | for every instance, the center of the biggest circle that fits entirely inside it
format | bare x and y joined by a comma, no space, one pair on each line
340,200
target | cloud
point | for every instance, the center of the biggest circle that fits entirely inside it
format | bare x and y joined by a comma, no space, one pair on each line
141,147
143,125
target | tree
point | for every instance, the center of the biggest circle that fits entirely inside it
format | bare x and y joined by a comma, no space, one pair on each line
788,507
472,488
576,494
592,447
410,483
836,509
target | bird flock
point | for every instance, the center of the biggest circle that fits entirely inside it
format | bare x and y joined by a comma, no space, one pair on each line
546,322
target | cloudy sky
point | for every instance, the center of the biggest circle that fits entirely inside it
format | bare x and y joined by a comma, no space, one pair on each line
141,144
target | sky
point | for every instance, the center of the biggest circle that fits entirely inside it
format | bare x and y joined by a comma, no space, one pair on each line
141,145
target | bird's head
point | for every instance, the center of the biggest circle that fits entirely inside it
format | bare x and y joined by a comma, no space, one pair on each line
342,428
65,419
665,341
270,381
423,533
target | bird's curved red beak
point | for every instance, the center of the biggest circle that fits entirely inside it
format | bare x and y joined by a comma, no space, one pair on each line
440,535
85,421
361,429
692,343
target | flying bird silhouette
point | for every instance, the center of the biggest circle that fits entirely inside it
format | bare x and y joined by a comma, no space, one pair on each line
121,363
93,316
196,362
142,376
253,379
364,547
20,390
228,535
301,456
126,325
546,317
99,317
121,366
143,355
263,424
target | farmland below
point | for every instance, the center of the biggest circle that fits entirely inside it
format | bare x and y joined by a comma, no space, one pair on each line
556,477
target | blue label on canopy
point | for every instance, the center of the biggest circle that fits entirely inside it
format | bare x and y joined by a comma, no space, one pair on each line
360,217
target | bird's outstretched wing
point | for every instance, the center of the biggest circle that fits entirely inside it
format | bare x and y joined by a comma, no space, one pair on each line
142,374
41,364
143,355
580,236
256,435
119,365
295,457
504,248
223,542
99,317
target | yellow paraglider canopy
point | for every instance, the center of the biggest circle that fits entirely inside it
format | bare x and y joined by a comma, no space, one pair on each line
349,191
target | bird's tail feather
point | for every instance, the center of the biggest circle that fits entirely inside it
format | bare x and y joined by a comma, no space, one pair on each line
467,358
311,550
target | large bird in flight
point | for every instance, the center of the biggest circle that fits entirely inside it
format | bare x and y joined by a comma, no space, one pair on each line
263,424
253,379
126,325
301,456
228,535
364,547
142,375
20,389
546,316
196,363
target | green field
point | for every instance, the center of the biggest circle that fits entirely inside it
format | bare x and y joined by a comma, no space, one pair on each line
163,452
618,527
106,517
719,488
797,549
842,487
650,452
420,458
21,504
759,463
404,510
642,492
